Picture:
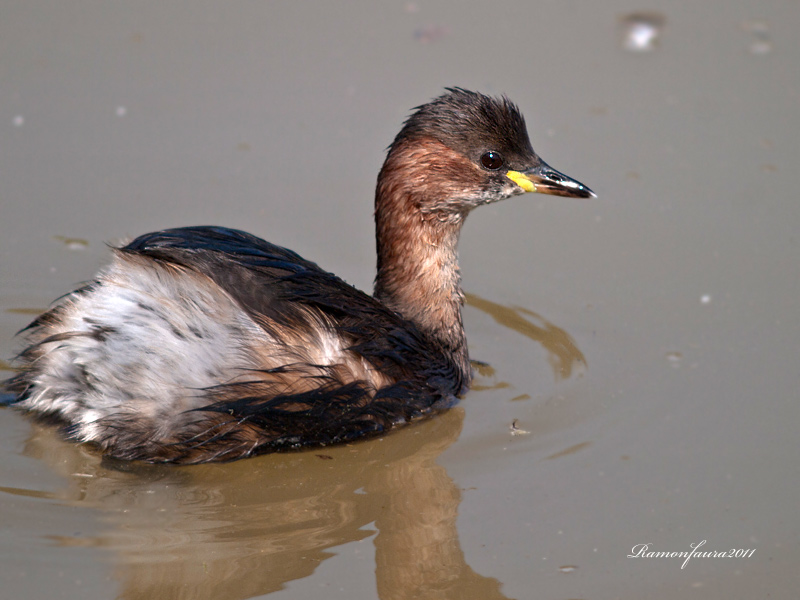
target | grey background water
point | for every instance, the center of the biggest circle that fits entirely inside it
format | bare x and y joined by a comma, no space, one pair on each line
671,419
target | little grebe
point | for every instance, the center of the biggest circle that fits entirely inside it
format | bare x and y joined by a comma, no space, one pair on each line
208,344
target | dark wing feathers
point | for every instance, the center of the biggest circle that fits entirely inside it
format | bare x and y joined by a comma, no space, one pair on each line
269,280
220,239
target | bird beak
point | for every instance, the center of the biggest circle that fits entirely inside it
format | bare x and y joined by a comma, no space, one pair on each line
546,180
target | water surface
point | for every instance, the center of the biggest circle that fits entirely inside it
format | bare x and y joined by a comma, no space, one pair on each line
642,377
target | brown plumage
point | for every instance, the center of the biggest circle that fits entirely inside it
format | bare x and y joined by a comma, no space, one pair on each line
204,343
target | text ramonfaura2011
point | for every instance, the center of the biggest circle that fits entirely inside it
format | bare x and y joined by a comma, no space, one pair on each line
644,551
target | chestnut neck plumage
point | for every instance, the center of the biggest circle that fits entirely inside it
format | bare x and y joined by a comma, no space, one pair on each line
417,234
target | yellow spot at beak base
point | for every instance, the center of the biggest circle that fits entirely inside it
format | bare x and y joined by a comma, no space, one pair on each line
521,180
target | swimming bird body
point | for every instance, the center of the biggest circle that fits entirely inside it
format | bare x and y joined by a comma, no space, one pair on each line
205,343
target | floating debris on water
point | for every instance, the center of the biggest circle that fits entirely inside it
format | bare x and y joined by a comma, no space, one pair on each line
760,43
570,450
567,568
674,358
72,243
641,31
705,299
515,429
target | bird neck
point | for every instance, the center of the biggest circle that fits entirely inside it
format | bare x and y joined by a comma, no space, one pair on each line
418,274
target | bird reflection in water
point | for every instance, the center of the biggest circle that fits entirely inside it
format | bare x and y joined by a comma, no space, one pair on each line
249,528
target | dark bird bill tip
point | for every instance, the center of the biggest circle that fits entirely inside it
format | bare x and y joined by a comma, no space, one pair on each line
547,180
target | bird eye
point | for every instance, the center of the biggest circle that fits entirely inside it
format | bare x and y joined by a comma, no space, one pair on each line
492,160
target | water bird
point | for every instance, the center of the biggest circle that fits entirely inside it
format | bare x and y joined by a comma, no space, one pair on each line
203,344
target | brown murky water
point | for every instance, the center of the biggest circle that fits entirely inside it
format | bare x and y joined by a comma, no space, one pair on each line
641,378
